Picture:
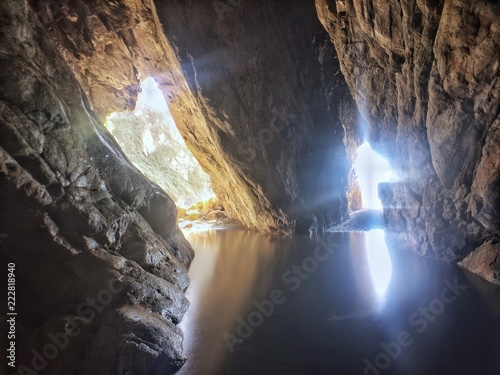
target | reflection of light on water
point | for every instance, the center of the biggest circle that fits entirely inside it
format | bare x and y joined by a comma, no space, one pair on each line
204,268
230,269
379,262
190,226
371,169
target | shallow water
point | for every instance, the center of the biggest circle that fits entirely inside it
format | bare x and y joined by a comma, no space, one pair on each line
264,305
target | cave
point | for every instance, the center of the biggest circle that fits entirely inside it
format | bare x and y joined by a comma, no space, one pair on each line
278,102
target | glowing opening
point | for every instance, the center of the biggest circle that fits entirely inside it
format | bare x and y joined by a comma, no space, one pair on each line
152,142
371,169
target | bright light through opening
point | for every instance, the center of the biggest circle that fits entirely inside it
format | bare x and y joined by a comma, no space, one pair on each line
152,97
149,137
371,169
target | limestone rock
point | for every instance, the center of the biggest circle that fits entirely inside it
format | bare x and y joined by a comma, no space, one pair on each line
99,260
181,212
425,76
216,215
263,75
263,118
485,261
193,215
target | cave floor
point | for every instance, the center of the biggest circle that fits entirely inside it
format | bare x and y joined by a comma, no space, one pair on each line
342,303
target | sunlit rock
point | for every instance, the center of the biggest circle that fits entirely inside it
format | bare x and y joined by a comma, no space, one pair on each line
99,260
422,76
265,120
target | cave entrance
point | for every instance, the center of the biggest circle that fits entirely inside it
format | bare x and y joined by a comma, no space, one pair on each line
371,169
150,139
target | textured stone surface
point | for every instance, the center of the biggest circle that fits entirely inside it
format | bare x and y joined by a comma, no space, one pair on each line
254,89
96,245
425,76
265,77
485,261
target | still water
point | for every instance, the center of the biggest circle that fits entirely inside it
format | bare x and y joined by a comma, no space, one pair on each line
338,304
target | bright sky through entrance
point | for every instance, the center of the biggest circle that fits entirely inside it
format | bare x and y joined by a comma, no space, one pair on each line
152,96
150,139
371,169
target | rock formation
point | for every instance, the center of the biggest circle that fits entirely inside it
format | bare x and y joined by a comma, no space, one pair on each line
263,73
272,115
254,89
425,76
100,264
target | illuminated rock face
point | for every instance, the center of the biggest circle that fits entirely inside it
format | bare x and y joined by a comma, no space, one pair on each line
263,74
254,89
99,260
245,84
425,77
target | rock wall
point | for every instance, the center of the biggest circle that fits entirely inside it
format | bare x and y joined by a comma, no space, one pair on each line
266,78
100,263
254,88
425,76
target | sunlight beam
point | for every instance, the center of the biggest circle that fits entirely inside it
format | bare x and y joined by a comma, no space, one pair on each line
371,169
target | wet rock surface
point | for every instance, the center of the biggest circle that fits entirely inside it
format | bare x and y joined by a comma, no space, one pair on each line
99,260
425,76
485,261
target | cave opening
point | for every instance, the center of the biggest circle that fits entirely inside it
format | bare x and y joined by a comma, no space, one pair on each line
371,169
150,139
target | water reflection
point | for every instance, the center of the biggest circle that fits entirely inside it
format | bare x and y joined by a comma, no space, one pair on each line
371,264
230,267
379,262
336,313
